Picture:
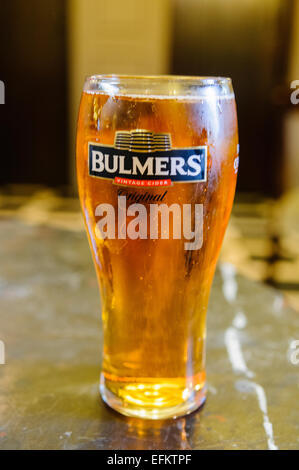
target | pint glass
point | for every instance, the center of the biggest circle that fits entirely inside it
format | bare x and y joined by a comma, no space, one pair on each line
157,160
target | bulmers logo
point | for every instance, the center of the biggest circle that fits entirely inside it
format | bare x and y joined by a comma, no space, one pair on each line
144,158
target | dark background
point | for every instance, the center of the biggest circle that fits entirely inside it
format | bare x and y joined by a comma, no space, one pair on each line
33,121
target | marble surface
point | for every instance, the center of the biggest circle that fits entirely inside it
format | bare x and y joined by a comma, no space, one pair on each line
50,327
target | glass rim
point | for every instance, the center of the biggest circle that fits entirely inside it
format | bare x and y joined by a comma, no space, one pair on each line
173,86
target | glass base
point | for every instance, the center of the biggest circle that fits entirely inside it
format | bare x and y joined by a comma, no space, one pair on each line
152,400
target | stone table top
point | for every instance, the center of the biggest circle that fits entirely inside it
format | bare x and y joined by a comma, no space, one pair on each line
51,332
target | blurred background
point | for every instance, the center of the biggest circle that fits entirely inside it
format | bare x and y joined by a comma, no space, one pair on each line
46,50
